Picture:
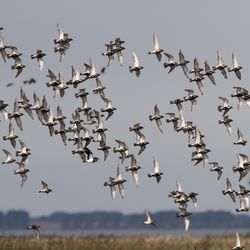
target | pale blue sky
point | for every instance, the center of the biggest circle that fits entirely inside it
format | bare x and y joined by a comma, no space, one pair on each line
198,28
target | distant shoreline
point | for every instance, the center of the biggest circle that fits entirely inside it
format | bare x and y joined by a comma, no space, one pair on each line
165,220
124,233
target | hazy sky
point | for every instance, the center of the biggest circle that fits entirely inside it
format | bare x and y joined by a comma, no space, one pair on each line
198,28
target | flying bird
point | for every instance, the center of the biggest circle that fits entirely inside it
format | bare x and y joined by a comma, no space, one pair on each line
236,67
111,183
226,121
11,136
18,66
136,66
122,148
173,119
191,97
229,190
171,62
216,168
209,73
184,214
39,56
134,170
225,107
35,228
156,172
141,141
109,108
45,188
183,63
157,117
9,158
156,50
240,140
3,110
238,244
149,220
16,115
22,171
220,65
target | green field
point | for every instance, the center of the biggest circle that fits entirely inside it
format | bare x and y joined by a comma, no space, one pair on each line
122,243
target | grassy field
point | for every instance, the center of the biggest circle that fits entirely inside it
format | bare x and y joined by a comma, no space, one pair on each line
122,243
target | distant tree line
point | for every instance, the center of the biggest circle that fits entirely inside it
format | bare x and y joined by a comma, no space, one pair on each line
19,219
14,219
164,220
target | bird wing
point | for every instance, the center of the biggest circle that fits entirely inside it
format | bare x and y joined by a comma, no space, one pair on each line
37,233
186,223
238,240
219,58
238,74
234,59
224,73
4,54
40,63
178,186
156,110
159,125
135,177
240,136
8,155
19,122
229,185
156,43
147,215
119,173
113,191
135,60
232,197
121,190
24,178
61,33
45,185
229,128
219,174
156,166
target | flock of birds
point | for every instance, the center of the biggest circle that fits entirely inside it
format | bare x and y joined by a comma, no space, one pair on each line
84,116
